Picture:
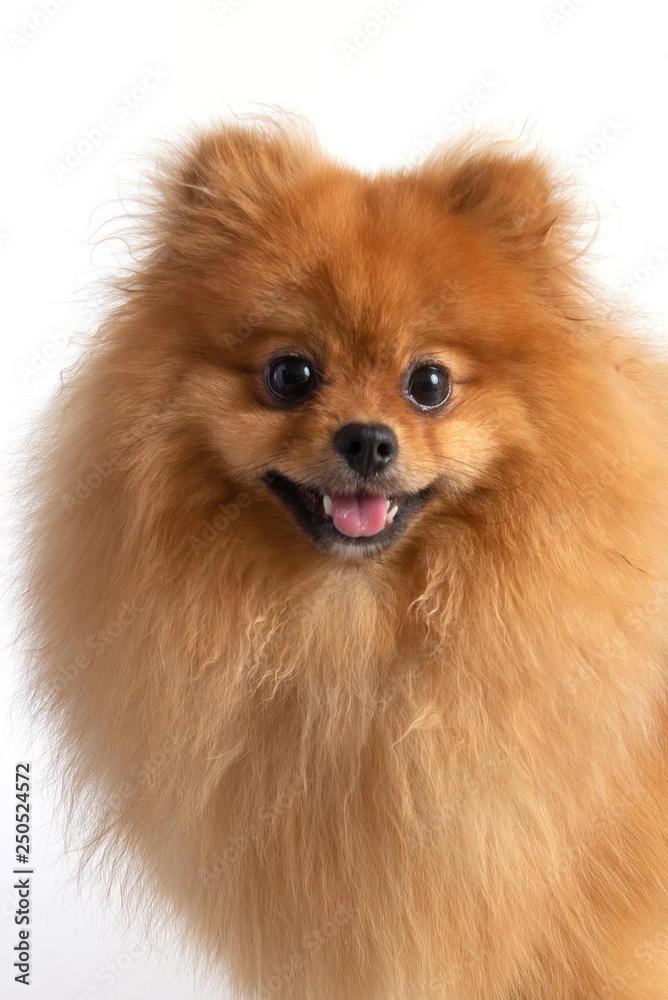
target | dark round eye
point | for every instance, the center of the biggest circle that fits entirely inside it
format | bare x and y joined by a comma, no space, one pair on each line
429,386
291,379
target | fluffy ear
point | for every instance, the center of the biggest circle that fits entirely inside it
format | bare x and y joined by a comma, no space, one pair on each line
230,175
511,194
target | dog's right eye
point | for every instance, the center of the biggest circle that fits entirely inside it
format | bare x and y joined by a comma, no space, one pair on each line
291,379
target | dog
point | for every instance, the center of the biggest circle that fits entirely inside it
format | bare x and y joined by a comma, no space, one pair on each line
347,574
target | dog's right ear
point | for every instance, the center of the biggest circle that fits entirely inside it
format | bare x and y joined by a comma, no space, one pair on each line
513,195
231,175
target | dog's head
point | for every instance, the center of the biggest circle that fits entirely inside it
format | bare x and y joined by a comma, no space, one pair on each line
359,350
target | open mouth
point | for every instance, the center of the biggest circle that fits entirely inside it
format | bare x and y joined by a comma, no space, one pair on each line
349,523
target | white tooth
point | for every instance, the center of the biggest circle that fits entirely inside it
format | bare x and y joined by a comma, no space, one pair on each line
390,514
327,504
387,506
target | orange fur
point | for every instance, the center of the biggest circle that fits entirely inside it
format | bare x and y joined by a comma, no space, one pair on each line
438,771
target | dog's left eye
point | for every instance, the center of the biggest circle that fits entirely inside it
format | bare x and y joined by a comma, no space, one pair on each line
429,386
291,379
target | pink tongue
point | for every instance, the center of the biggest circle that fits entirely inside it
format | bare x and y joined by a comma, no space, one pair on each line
358,515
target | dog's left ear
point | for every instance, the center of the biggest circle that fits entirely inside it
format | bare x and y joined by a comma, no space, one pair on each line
511,195
229,176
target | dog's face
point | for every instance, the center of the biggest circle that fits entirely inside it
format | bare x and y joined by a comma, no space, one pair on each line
363,349
354,426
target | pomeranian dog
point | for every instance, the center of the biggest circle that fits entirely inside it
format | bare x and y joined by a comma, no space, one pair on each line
348,578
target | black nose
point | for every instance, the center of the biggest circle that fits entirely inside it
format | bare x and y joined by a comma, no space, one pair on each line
367,448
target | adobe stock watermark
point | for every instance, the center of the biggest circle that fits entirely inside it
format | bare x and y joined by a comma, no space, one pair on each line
561,13
119,111
454,116
589,152
649,952
365,33
33,24
143,774
236,845
41,358
53,351
655,261
226,514
97,472
110,973
223,7
264,309
283,975
96,643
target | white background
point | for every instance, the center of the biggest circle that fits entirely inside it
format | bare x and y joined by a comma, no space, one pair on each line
587,79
